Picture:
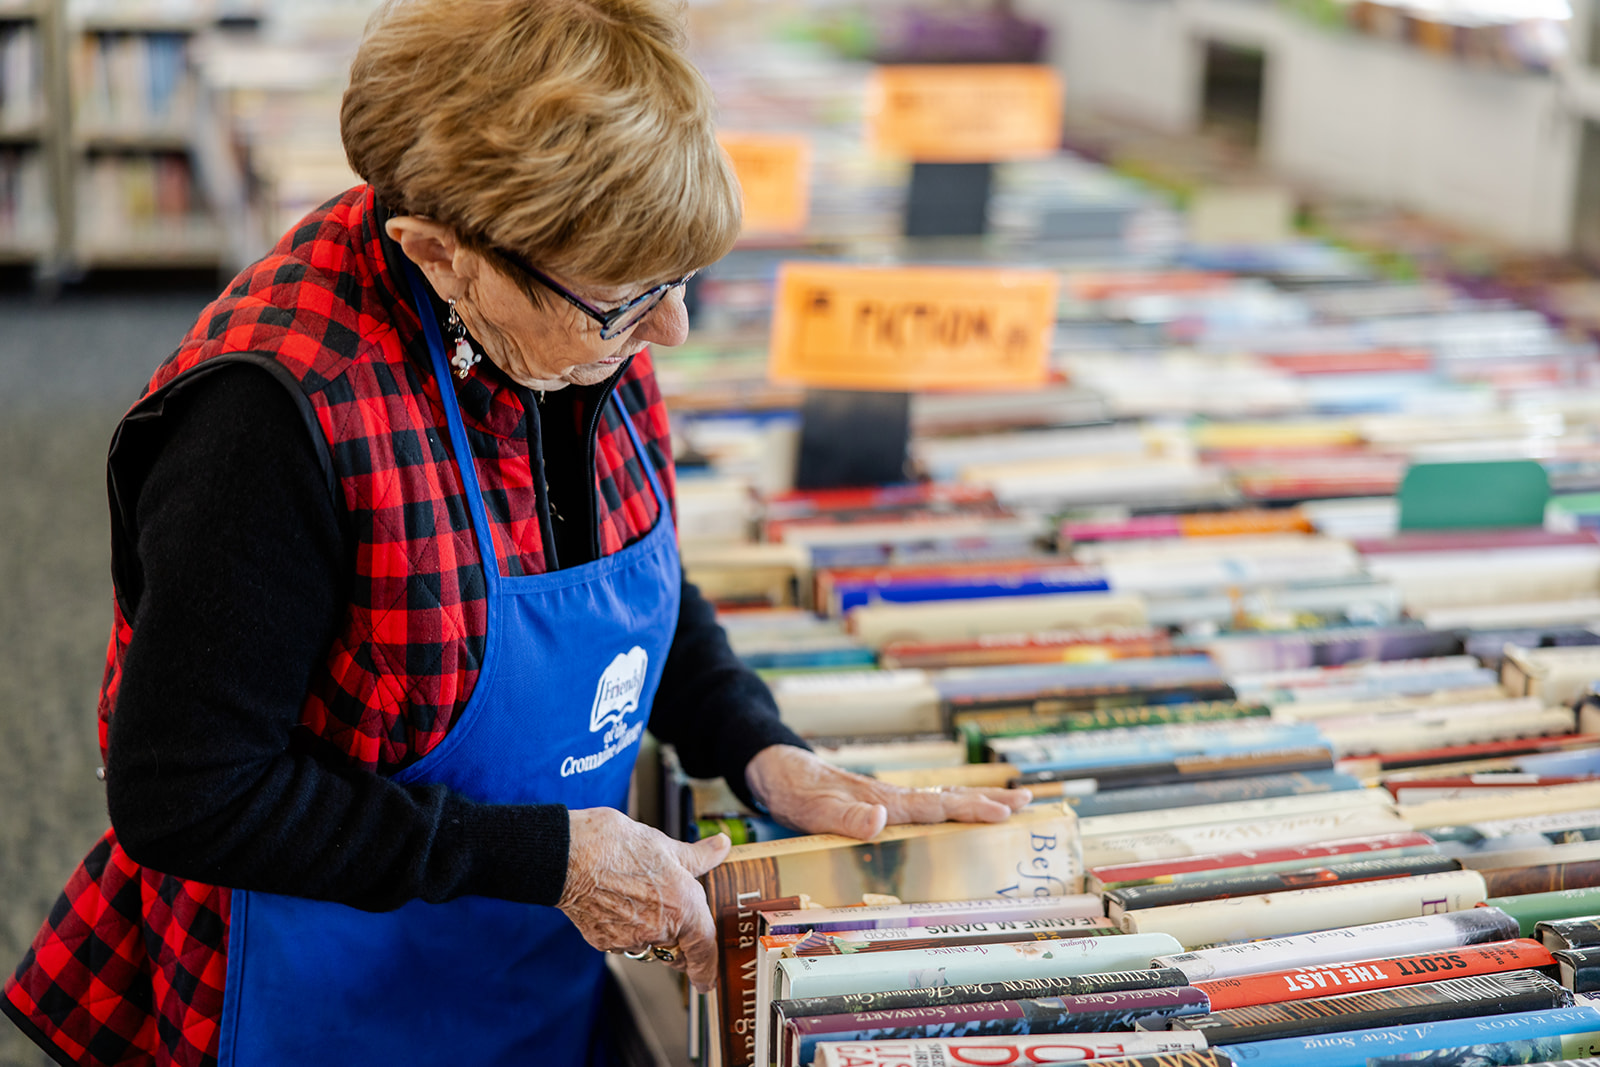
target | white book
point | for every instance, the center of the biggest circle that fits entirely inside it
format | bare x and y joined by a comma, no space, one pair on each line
1472,926
880,623
1106,849
1234,811
1399,709
1211,922
1015,1049
1320,677
1556,675
880,972
933,913
1439,729
852,703
1541,800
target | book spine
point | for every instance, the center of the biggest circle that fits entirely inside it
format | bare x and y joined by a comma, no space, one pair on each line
1182,841
1429,932
935,913
1197,794
1099,1014
1351,1048
1303,983
1163,870
1193,768
1456,998
1319,908
1511,881
1570,933
827,975
1043,717
1127,1050
1530,909
1580,968
976,993
736,888
836,945
1133,898
1569,1050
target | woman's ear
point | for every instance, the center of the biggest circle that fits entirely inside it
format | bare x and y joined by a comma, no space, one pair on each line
433,247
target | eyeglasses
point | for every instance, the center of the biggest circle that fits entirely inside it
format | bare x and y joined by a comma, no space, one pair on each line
617,320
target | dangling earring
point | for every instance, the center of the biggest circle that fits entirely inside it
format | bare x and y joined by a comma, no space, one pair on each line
465,358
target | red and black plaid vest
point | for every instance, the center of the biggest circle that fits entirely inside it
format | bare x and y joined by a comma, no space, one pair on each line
129,967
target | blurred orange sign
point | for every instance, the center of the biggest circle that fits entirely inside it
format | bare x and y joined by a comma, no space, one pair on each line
965,114
775,175
905,328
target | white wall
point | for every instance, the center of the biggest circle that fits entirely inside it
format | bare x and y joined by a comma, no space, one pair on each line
1495,153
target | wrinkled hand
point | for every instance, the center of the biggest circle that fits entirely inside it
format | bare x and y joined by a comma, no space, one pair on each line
630,886
803,791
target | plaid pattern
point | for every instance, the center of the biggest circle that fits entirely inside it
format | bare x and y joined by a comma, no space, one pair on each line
129,967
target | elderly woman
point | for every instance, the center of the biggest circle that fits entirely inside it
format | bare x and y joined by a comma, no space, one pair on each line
397,590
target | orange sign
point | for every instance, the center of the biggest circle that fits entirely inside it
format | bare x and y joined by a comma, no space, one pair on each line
905,328
775,175
965,114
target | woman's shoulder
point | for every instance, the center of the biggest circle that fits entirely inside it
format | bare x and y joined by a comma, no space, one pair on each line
321,303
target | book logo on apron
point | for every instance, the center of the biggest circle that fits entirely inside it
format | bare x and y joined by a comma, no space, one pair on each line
615,697
621,685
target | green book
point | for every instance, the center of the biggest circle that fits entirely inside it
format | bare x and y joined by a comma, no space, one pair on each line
1532,908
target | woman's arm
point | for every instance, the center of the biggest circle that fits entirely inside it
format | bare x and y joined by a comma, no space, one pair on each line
243,582
717,712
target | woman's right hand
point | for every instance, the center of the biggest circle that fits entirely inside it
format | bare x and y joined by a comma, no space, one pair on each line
630,887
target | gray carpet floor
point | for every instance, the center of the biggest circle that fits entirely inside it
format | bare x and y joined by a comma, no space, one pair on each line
68,369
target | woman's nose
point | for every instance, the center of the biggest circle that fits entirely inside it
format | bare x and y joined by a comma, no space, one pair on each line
667,324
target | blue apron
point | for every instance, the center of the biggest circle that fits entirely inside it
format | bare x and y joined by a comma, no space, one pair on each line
572,660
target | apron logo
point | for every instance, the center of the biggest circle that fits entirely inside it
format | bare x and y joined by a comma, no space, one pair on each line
621,686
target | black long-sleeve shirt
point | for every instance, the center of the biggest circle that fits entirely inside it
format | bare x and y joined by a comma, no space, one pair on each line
244,575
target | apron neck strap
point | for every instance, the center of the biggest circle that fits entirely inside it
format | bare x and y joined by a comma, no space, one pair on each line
422,296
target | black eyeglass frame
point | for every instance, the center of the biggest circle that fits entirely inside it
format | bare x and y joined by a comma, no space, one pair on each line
620,318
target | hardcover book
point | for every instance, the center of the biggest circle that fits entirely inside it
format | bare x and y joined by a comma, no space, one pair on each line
1230,837
832,975
1193,794
1475,926
1569,1050
1580,968
1303,983
1036,852
1220,864
1353,1047
979,992
933,913
1134,898
1512,881
1454,998
1123,1050
1578,932
856,942
1214,922
1095,1013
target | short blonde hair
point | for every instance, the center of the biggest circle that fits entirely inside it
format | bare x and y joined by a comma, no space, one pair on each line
575,133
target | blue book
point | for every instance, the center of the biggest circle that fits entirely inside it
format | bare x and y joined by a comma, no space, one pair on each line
1298,735
1352,1048
1058,579
1189,794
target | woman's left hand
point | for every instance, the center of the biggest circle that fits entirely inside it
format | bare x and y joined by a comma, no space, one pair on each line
803,791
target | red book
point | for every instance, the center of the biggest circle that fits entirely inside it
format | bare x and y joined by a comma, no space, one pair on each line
1473,540
1367,361
1163,870
1488,780
1056,646
1302,983
1363,766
